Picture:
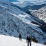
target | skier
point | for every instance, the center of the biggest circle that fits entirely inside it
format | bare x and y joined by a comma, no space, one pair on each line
28,39
20,37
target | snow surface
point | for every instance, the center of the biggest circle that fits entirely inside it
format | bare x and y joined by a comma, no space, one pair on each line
40,13
13,41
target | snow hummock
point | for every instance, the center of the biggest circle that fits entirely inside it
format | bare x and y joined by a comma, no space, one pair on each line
13,41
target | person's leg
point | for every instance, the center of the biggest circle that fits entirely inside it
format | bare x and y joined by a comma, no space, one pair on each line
30,43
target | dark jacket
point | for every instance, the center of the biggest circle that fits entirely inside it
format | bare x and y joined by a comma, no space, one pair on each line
28,38
20,36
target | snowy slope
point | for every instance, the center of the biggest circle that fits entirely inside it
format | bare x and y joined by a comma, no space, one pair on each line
13,41
40,13
14,21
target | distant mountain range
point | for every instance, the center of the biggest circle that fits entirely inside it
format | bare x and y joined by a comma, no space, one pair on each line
32,10
28,3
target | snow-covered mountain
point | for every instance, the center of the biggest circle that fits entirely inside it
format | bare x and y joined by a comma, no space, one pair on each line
23,4
29,3
40,13
14,21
